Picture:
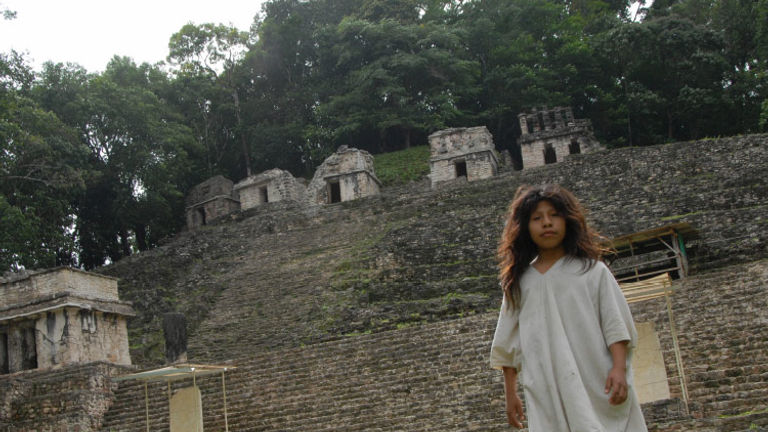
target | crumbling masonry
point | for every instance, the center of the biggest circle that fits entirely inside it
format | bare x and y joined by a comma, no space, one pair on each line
548,135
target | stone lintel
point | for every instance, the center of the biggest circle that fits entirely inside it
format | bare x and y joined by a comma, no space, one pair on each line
226,197
452,131
344,174
261,179
548,134
16,277
464,155
63,300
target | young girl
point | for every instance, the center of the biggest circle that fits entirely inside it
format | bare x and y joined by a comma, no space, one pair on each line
564,324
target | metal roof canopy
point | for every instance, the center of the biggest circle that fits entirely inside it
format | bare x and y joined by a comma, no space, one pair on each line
176,373
639,282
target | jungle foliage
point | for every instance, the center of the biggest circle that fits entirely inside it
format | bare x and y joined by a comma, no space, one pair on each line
95,166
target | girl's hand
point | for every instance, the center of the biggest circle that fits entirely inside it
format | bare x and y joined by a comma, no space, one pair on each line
515,414
616,385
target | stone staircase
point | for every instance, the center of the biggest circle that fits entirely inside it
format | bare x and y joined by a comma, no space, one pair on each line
435,377
432,377
289,295
279,275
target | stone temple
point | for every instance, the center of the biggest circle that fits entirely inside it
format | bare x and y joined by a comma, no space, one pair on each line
346,175
462,153
61,316
210,199
548,135
270,186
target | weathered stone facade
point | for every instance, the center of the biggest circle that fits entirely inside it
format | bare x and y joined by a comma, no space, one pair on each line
345,175
458,153
381,311
270,186
67,399
61,316
435,376
209,200
548,135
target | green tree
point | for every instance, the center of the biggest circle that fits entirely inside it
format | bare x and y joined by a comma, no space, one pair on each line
400,80
40,174
210,52
137,164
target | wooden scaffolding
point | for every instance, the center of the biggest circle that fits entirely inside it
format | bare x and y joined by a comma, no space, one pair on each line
645,264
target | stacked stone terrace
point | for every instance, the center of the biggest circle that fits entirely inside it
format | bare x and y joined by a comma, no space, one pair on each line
73,398
434,377
290,296
377,314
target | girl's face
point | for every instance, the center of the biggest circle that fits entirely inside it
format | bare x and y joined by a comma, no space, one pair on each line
547,227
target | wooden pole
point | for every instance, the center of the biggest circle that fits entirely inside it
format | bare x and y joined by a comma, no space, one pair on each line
224,395
146,404
676,346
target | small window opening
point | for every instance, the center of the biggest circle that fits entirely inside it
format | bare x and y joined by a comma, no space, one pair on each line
461,169
574,147
540,118
4,361
201,213
28,349
549,154
564,117
334,192
552,119
263,194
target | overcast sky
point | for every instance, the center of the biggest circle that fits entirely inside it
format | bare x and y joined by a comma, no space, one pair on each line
90,32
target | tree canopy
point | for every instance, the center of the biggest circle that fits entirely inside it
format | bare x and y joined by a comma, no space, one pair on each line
95,166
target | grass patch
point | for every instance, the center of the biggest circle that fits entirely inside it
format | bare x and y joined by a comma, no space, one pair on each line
744,414
402,166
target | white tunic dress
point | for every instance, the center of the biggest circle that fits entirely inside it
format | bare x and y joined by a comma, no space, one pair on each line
558,341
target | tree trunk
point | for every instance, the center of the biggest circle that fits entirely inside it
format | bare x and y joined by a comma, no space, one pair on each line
244,145
629,114
407,138
670,135
125,244
382,140
141,237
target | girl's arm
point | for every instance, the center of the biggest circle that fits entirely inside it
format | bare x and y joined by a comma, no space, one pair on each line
515,414
616,384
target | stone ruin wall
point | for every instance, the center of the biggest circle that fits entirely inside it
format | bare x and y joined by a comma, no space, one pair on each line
556,128
436,377
280,186
209,200
61,316
352,169
349,170
21,289
353,186
70,328
67,336
72,399
717,185
90,336
473,146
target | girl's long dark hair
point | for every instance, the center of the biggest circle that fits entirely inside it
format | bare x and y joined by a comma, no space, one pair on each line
517,249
